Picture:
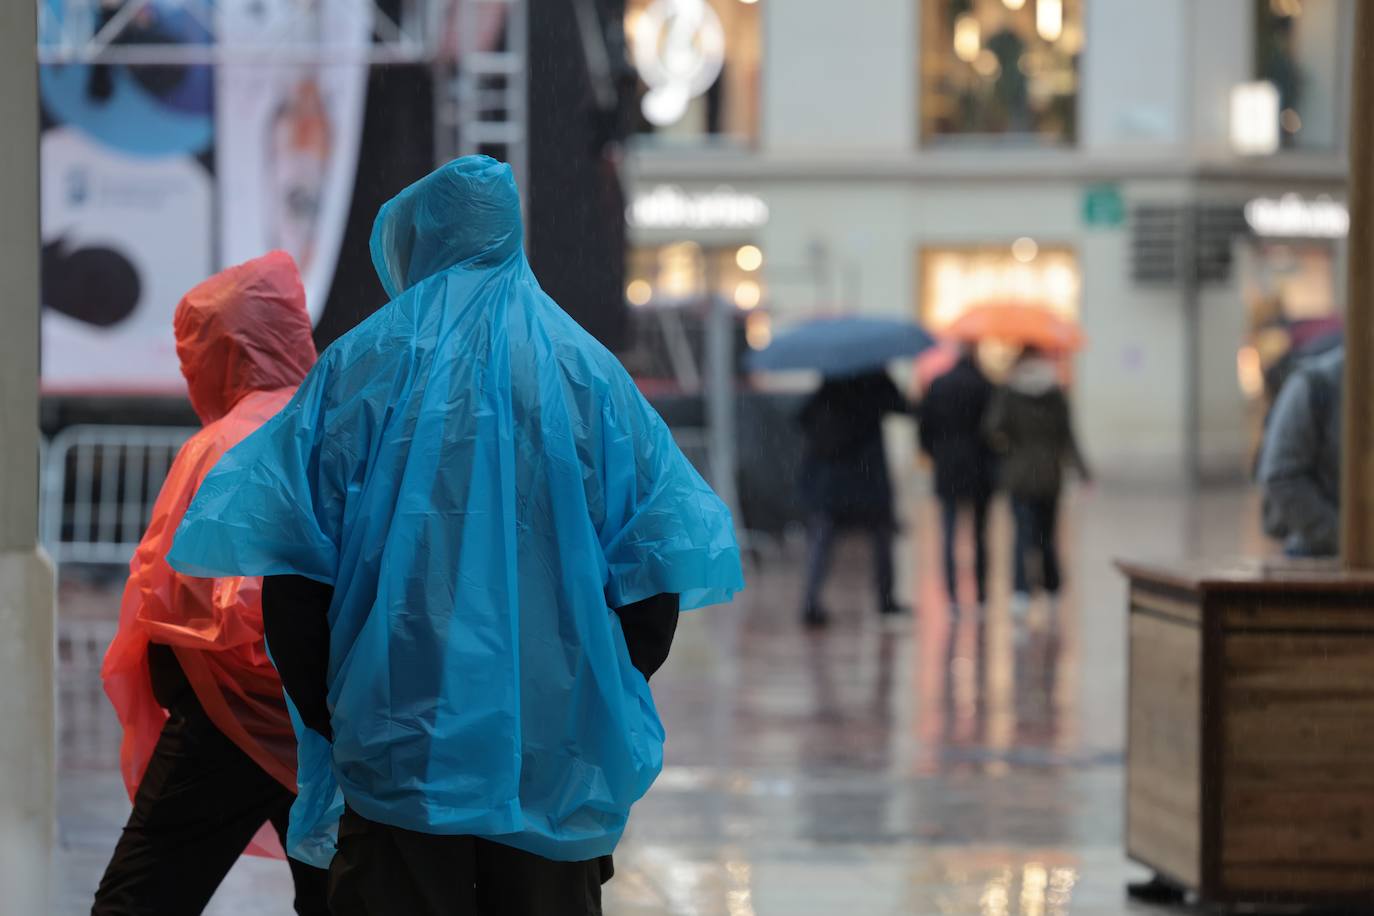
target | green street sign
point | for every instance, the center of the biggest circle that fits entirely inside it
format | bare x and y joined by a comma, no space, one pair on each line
1103,206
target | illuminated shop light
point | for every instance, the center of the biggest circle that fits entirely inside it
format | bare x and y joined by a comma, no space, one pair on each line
749,258
1049,19
1255,119
679,50
968,38
639,292
748,295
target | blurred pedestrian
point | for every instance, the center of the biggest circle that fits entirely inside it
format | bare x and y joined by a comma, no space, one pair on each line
952,416
1314,343
845,482
208,754
1028,425
1300,458
477,537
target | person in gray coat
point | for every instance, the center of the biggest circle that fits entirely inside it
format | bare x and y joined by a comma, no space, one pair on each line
1029,425
1300,461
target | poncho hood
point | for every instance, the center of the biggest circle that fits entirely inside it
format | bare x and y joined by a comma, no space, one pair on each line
465,214
245,329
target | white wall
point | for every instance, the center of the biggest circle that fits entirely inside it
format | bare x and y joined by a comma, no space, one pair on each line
839,76
1134,72
1222,51
864,233
1130,394
1224,412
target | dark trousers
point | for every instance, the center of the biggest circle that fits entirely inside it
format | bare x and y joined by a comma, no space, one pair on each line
823,529
381,870
1037,553
950,510
200,802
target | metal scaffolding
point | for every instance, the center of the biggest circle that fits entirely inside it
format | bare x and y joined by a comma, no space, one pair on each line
106,32
481,91
477,50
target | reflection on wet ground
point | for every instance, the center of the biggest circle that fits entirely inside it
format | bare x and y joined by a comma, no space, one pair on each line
943,763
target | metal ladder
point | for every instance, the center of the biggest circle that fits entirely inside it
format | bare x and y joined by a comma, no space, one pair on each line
483,96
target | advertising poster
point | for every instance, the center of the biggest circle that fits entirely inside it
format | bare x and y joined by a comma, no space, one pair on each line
127,207
288,118
156,174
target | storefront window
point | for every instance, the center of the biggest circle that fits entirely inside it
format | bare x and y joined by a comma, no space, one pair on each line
1023,273
1295,49
671,289
683,273
698,65
1005,69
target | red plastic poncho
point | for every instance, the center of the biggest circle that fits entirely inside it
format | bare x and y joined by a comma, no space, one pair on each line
244,340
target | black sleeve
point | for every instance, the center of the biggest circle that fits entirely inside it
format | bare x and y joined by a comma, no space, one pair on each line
892,399
649,626
929,419
295,618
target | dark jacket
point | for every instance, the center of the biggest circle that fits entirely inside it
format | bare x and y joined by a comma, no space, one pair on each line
952,416
844,470
1300,459
1029,426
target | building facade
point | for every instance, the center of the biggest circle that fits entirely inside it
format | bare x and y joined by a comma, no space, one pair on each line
920,157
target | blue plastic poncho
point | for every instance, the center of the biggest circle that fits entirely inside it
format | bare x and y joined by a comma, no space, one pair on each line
481,482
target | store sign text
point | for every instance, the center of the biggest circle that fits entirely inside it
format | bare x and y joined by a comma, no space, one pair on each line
1291,216
670,207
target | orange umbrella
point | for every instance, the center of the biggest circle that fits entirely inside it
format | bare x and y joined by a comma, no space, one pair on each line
1021,324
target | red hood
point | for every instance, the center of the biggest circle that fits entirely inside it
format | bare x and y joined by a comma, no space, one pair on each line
243,330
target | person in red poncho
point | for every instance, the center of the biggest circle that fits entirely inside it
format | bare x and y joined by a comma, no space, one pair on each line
209,757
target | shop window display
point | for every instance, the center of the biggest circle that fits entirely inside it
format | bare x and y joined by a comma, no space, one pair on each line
1000,71
1296,45
670,289
1023,273
686,272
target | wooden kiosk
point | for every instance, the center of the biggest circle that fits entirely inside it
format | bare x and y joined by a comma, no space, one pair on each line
1250,758
1250,755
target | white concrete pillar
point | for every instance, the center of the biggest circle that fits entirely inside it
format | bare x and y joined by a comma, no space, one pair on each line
27,757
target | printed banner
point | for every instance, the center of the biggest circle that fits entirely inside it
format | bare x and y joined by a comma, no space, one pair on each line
287,129
156,175
127,207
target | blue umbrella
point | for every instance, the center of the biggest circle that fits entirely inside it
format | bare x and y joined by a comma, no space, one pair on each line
842,346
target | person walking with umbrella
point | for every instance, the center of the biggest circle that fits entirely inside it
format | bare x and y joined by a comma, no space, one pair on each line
844,477
845,481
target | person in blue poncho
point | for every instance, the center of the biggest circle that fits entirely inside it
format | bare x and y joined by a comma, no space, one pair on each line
477,536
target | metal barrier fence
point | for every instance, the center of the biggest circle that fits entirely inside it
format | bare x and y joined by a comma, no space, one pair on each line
99,486
100,483
89,732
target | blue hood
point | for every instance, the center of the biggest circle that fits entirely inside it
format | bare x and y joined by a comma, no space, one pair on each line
464,214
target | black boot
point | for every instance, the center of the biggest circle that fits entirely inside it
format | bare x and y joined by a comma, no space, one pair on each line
815,617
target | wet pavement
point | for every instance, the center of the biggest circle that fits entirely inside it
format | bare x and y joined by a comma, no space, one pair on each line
949,762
